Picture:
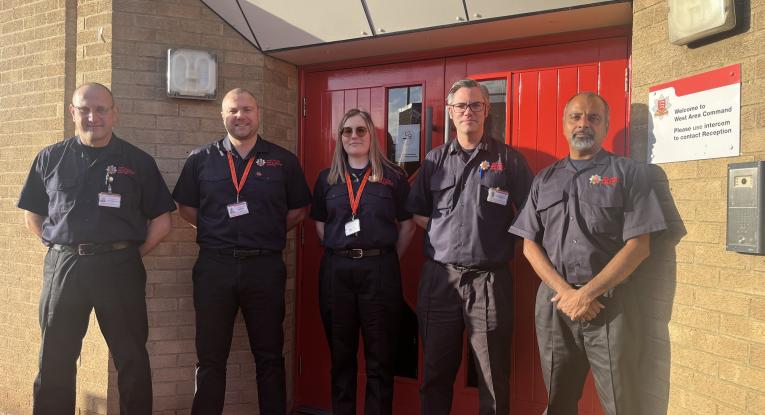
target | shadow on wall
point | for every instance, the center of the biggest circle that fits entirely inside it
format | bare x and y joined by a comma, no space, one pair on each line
656,280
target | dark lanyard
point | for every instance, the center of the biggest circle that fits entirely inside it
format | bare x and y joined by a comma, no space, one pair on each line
354,199
238,185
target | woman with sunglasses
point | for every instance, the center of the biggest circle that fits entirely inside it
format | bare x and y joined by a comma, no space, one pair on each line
360,217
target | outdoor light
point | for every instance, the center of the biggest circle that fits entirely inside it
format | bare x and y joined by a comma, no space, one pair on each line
691,20
192,74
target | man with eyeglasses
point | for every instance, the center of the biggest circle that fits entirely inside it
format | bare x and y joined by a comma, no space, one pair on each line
99,204
586,227
465,196
243,194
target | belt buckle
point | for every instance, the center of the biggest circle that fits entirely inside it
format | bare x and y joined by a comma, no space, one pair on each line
357,253
82,249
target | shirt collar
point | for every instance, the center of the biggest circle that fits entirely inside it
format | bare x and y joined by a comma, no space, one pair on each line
113,147
454,145
600,158
261,146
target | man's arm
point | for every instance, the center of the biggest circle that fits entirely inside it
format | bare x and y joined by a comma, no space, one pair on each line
405,233
34,222
570,300
295,216
188,213
320,230
421,221
158,229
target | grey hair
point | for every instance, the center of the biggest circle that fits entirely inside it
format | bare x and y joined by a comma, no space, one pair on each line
467,83
589,95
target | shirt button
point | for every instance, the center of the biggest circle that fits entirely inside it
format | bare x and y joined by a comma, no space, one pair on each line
572,218
573,241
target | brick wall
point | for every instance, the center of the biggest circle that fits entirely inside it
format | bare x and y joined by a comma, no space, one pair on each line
168,129
705,306
47,48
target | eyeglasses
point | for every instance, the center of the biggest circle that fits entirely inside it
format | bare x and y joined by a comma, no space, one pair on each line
85,111
348,131
461,107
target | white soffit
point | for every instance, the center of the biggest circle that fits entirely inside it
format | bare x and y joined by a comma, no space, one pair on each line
280,24
390,16
230,12
487,9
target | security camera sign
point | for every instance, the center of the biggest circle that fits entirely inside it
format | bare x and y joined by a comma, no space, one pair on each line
696,118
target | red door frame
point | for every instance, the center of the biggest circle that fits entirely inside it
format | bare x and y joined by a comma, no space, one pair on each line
507,46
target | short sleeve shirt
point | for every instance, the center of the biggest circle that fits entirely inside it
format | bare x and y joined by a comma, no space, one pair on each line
380,207
64,183
274,185
583,218
468,227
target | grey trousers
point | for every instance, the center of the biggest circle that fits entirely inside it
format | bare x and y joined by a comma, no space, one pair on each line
451,298
609,344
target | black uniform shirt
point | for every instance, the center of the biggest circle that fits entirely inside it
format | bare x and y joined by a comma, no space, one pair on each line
275,185
583,218
64,183
380,206
465,228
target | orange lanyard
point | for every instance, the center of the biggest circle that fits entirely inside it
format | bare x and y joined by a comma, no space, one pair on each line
238,185
355,199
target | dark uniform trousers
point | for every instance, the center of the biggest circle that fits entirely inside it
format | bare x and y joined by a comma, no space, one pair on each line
608,344
451,297
113,284
223,284
361,293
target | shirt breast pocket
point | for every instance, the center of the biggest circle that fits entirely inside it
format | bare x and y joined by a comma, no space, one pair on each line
550,205
442,189
213,183
603,210
269,186
380,202
494,181
62,192
338,206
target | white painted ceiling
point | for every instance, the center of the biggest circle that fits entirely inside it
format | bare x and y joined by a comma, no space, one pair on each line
314,31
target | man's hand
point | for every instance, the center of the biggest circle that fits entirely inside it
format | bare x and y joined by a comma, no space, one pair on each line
577,305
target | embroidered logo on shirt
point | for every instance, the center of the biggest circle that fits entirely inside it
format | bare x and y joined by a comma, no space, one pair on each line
125,170
260,162
604,180
386,181
497,166
272,163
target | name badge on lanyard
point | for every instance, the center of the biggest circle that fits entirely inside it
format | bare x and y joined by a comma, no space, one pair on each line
498,196
353,227
108,198
238,208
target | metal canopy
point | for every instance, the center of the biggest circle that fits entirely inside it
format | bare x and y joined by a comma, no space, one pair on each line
314,31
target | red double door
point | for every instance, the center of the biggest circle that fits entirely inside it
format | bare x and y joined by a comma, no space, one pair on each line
529,88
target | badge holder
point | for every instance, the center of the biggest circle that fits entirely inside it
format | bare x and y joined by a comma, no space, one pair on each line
108,198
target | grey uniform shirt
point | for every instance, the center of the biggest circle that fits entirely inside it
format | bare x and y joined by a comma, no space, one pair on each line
465,228
583,218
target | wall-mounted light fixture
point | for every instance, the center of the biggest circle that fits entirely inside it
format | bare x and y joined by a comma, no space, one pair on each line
691,20
192,74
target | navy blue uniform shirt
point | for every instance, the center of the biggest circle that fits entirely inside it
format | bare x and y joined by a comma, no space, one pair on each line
465,228
582,218
380,206
64,183
275,185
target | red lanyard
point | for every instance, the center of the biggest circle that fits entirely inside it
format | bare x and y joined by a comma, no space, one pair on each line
355,199
238,185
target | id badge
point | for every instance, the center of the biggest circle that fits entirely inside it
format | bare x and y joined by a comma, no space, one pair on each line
352,227
237,209
111,200
498,196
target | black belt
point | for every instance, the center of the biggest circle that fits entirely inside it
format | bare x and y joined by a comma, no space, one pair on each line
92,248
243,253
358,253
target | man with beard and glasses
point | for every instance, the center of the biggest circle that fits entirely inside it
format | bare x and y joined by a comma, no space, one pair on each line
243,194
586,227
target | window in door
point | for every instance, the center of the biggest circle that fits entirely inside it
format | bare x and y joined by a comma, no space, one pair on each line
404,134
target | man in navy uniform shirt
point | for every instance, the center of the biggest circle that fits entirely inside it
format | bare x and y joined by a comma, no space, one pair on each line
99,204
465,196
243,194
586,227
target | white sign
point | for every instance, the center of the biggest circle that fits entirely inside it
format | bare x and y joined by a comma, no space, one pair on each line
408,143
695,118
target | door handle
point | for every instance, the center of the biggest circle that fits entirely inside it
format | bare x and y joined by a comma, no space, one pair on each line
428,129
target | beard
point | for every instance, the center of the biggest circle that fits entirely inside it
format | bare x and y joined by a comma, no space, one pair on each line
583,141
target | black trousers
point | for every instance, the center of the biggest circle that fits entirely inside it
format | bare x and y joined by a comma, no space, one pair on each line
449,299
114,285
223,285
609,344
361,294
